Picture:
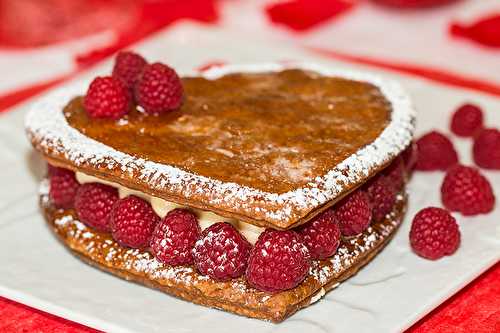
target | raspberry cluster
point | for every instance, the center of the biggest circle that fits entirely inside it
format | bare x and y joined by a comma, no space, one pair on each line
465,189
155,87
279,260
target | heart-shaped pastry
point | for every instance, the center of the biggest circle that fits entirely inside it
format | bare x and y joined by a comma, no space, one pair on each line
258,146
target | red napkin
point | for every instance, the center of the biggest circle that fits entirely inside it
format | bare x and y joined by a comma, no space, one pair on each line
301,15
485,31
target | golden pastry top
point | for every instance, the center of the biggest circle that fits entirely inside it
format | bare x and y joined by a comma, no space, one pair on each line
270,131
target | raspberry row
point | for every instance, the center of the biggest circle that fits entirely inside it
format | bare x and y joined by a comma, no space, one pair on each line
279,260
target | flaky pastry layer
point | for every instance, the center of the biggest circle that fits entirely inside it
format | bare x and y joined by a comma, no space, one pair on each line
101,251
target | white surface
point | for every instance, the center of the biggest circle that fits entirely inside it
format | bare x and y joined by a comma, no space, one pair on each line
388,295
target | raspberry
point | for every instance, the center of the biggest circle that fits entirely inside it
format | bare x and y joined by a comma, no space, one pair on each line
410,156
321,236
466,120
159,89
128,66
221,252
93,204
63,187
353,213
174,238
278,261
486,149
466,190
53,170
434,233
435,152
395,173
382,197
107,97
132,222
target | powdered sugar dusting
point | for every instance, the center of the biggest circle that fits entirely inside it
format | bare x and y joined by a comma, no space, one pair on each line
47,126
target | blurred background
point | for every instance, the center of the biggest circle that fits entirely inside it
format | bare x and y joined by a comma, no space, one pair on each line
43,42
454,42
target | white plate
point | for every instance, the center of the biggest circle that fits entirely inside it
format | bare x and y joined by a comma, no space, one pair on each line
388,295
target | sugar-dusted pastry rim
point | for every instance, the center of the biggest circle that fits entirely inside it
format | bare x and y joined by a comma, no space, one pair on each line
65,146
101,251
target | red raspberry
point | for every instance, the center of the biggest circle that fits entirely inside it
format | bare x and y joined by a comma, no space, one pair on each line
466,190
382,197
221,252
321,236
159,89
434,233
435,152
63,187
353,213
278,261
107,97
132,222
486,149
410,156
93,204
174,238
467,120
53,170
395,173
128,66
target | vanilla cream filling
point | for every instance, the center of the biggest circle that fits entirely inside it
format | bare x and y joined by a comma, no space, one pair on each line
162,207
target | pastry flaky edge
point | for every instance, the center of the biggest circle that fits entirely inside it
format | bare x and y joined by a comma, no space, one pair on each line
66,147
101,251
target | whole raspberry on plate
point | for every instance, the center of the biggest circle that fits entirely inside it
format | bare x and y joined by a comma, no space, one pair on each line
132,222
221,252
435,152
93,204
467,120
353,213
395,173
382,196
128,66
321,236
174,238
486,149
63,187
434,233
107,97
159,89
278,261
467,191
